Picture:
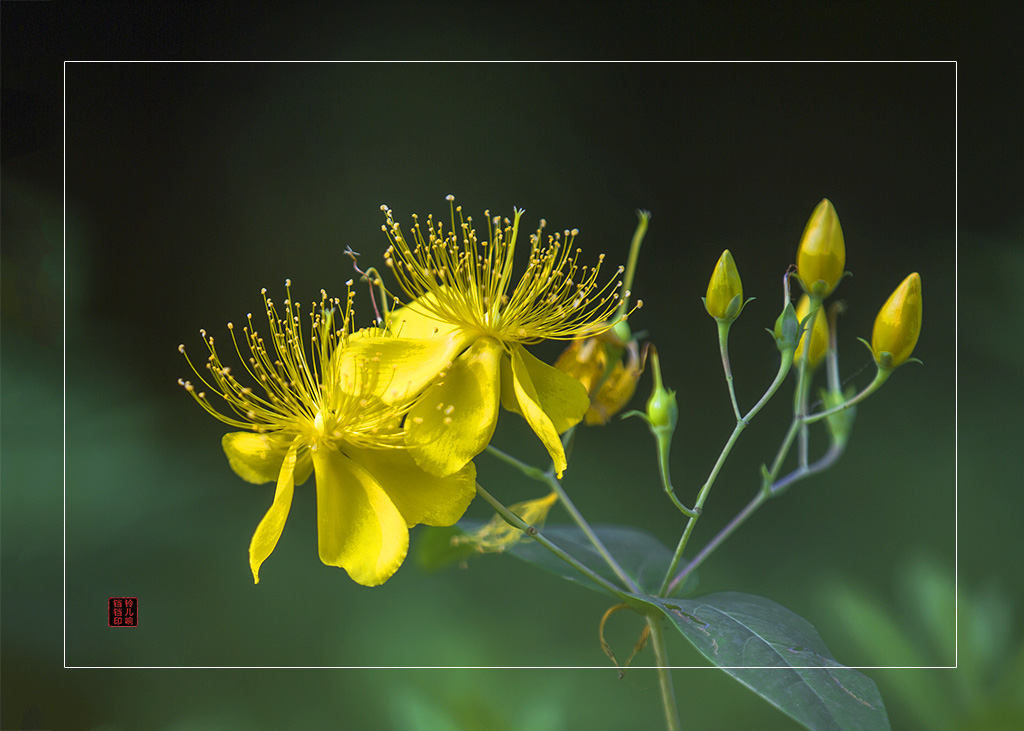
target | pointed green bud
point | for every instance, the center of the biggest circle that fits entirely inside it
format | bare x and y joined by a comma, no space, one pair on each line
787,329
662,411
840,424
898,324
725,290
821,255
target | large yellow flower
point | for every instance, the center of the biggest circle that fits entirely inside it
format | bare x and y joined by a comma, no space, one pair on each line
314,418
460,341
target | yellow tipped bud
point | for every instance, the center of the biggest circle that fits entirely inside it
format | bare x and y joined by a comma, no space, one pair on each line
822,253
815,330
725,290
898,324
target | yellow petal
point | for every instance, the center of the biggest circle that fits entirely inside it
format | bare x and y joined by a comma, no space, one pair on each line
563,398
418,319
358,527
254,457
269,530
419,496
454,419
563,395
405,365
257,458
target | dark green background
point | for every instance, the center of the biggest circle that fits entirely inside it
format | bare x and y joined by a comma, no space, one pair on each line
190,187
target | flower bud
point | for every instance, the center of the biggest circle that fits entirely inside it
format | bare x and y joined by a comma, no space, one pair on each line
898,324
787,329
839,424
821,255
725,291
662,411
608,368
815,332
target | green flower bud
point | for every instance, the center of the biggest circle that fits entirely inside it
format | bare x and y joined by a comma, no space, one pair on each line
821,255
840,424
787,329
815,331
725,291
898,324
662,411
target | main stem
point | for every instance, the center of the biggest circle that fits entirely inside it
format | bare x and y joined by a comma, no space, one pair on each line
784,364
668,693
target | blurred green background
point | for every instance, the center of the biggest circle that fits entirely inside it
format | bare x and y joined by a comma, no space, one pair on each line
190,187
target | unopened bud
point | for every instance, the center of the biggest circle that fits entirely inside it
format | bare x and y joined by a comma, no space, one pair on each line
821,255
898,324
725,290
815,332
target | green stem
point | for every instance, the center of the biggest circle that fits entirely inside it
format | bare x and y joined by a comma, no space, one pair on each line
774,489
880,377
723,344
556,486
517,522
784,365
666,481
759,499
668,694
634,252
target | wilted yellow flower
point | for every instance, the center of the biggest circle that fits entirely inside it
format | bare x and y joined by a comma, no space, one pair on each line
608,368
461,340
821,255
816,331
725,290
498,535
898,324
313,419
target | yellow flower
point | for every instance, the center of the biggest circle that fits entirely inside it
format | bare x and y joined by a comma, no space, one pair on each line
461,340
608,368
821,255
725,290
312,418
498,535
816,331
898,324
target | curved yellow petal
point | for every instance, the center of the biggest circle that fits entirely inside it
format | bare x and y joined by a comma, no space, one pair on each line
417,319
254,457
419,496
563,398
257,458
264,540
567,404
358,527
396,369
454,419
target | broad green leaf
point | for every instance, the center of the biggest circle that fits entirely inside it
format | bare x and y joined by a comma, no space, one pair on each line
642,556
779,656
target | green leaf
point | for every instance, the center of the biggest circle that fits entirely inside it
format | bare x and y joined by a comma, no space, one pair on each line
642,556
779,656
